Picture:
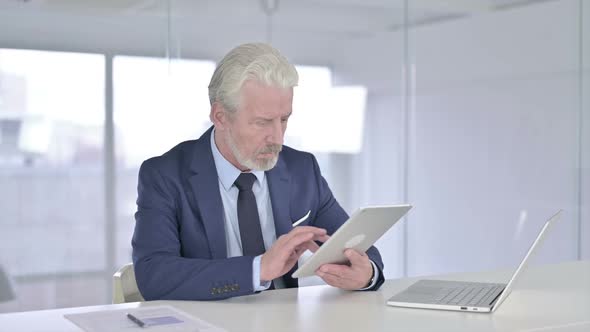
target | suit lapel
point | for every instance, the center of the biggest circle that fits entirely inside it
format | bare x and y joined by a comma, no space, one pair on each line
205,186
279,185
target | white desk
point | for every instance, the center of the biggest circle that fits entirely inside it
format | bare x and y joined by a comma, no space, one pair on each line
548,298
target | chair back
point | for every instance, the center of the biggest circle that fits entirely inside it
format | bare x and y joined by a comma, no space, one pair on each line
6,288
124,286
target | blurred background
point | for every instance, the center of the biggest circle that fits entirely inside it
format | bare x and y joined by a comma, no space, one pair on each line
477,112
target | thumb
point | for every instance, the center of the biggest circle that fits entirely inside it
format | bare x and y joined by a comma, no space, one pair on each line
355,257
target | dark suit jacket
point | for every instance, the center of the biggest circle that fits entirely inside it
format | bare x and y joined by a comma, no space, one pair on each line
179,249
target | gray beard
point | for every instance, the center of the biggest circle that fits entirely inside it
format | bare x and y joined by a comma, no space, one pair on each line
250,163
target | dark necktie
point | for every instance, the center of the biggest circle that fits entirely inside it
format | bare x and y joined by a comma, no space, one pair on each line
250,232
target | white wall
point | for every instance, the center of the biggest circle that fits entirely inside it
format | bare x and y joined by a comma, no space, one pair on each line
493,139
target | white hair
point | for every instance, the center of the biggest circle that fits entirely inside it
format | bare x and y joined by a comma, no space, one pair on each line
253,61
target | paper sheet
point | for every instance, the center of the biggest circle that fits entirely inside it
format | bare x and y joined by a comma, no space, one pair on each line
159,318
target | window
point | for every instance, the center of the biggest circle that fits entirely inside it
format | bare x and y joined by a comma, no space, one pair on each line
51,197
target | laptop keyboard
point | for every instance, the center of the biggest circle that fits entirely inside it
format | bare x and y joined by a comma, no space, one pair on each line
471,294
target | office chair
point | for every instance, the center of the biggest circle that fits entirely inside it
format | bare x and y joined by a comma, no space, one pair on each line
6,290
124,285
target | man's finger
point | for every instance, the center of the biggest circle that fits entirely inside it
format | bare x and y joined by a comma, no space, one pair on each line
300,250
331,279
285,246
296,240
322,238
303,229
312,246
342,271
294,257
309,245
355,257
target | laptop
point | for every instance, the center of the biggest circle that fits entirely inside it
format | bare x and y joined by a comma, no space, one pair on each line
461,295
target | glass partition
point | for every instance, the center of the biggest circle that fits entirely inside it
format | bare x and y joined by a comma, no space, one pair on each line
495,137
584,198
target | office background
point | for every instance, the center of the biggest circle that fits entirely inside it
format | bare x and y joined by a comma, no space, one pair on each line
477,112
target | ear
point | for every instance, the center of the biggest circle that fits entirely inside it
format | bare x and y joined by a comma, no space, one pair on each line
219,116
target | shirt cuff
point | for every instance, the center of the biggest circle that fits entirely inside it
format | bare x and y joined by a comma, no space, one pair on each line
258,285
375,277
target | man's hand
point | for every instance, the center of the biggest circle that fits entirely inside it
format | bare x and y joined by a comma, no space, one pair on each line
285,252
353,277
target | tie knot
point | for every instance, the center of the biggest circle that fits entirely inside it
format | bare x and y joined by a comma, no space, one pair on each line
245,181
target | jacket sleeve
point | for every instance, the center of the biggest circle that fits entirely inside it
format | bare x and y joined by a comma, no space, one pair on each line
162,273
331,216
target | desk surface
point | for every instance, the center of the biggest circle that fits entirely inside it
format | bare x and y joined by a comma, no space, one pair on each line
547,298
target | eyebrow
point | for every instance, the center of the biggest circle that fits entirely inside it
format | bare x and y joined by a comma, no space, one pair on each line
269,119
258,118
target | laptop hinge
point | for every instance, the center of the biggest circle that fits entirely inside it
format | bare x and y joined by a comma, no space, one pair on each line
497,296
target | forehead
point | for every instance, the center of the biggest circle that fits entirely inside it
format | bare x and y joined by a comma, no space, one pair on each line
259,99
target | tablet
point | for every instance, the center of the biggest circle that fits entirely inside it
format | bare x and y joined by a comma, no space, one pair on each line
359,232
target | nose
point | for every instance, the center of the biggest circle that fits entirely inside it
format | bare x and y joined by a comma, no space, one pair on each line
277,133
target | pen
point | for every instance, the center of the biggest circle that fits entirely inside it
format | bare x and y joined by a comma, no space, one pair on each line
136,320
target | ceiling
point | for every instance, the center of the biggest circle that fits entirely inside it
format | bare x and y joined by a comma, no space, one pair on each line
352,17
336,33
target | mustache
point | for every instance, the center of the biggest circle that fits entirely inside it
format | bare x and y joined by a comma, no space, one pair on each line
271,148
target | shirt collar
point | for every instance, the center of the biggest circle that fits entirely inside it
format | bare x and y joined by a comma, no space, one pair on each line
227,172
